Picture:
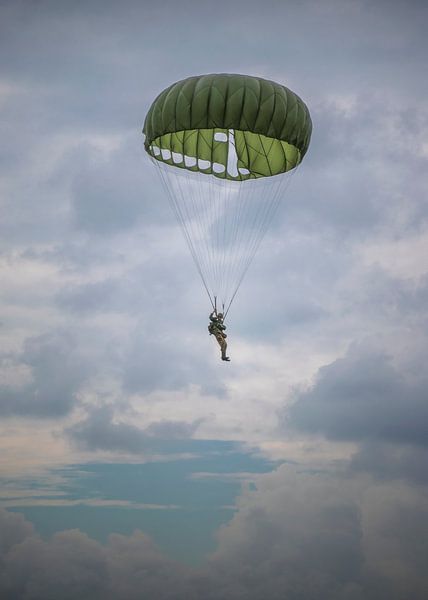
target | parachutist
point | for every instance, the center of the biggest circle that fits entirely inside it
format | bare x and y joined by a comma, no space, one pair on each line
216,327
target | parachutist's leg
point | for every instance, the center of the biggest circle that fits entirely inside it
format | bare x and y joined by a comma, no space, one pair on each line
220,340
223,346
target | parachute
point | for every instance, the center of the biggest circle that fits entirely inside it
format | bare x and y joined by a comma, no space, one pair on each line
224,146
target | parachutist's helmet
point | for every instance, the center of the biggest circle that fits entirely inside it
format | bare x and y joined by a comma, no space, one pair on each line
220,315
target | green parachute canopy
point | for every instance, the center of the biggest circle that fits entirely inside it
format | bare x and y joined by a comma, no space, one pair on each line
235,127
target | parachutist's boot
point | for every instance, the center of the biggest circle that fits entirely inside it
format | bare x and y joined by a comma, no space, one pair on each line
225,358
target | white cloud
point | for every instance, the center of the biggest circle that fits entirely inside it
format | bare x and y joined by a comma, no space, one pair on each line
404,258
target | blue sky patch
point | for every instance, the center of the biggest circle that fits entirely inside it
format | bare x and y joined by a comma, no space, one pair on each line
179,503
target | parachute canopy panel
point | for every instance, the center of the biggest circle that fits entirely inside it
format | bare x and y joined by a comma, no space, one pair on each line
235,127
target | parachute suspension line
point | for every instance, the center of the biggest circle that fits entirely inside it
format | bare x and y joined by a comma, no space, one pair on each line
246,222
258,224
253,224
278,192
209,196
181,220
223,222
276,196
224,204
210,192
198,210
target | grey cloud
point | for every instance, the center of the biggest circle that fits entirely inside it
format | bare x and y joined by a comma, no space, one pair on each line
14,530
363,397
100,431
140,290
378,292
355,176
114,194
173,429
56,374
297,536
410,297
324,535
88,298
77,61
160,351
153,363
168,361
387,462
72,256
71,565
288,288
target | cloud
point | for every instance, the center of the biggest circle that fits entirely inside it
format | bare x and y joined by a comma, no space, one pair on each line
170,357
389,461
53,374
297,536
89,297
306,534
71,565
100,431
363,397
114,190
173,430
14,529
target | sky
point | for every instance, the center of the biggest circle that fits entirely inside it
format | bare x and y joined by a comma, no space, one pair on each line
133,462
